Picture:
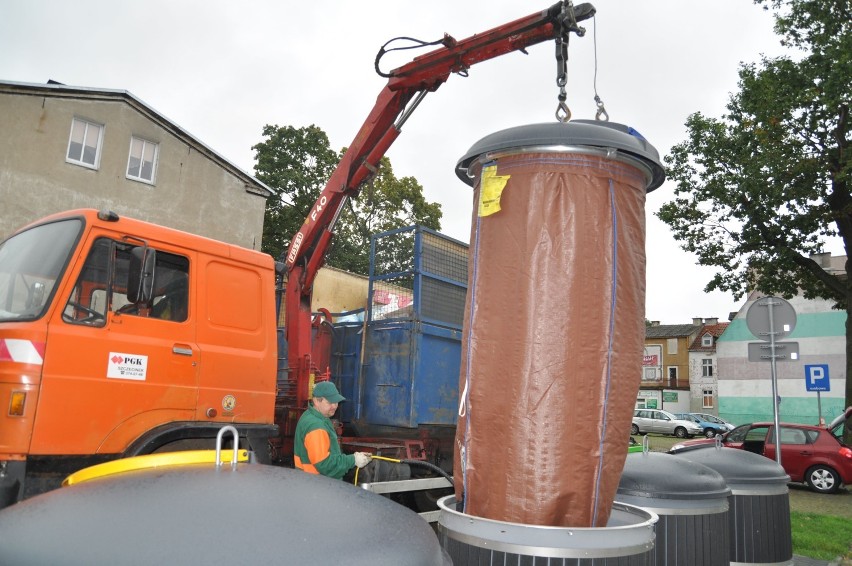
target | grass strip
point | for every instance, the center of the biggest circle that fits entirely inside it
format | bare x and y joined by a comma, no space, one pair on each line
824,537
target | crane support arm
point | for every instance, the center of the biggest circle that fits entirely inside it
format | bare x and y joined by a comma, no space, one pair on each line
405,88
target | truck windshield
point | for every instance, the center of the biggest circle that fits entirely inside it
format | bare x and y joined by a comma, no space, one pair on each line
31,262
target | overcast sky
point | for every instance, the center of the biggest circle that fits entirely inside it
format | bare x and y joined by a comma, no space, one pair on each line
224,69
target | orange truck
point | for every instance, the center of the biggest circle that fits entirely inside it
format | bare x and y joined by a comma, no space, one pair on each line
120,338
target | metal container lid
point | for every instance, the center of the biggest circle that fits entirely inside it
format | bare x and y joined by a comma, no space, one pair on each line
200,514
655,475
592,134
629,531
744,472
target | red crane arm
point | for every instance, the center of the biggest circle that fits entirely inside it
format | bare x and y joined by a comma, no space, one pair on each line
426,73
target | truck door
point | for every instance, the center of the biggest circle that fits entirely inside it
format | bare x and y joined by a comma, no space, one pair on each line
115,369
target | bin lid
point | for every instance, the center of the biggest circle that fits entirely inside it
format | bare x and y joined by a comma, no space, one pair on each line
740,468
655,475
576,133
200,514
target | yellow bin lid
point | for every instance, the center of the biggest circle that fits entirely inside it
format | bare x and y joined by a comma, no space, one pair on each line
151,461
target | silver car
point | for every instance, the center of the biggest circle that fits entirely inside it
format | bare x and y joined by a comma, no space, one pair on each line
662,422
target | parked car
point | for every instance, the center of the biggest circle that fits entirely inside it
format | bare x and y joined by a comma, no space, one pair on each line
814,455
662,422
710,427
715,419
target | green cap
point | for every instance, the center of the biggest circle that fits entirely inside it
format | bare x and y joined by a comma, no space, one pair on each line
328,391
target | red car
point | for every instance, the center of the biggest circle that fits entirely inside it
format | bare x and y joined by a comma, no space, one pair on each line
814,455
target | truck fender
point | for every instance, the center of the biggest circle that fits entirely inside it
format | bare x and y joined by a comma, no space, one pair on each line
253,436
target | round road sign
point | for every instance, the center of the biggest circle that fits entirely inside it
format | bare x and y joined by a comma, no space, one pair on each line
783,318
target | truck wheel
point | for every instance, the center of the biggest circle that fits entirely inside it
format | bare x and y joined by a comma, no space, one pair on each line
822,479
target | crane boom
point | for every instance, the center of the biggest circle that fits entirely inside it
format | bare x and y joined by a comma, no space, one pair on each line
405,88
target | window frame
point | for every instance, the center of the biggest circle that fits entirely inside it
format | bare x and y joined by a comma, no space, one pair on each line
707,367
708,399
98,148
99,279
671,346
156,159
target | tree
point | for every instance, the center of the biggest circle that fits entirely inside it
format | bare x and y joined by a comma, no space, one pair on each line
297,162
759,190
384,204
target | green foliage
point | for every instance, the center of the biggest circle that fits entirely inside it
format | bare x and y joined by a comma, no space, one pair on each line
384,204
759,190
297,162
821,536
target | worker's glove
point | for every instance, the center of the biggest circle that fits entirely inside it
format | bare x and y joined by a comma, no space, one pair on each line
362,459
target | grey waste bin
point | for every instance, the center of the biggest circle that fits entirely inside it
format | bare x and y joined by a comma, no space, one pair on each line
759,514
691,501
201,515
627,540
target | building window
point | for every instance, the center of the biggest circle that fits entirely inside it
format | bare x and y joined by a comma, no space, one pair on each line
671,346
707,340
708,398
142,162
84,144
707,367
672,374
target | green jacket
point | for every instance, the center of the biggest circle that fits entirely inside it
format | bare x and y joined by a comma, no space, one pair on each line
316,449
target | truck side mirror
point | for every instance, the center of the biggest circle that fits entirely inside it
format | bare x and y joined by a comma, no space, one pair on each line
140,277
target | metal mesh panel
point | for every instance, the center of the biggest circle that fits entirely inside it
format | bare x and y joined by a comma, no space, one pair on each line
444,258
393,253
393,298
418,274
442,301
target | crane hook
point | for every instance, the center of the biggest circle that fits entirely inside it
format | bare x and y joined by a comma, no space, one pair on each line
601,114
563,113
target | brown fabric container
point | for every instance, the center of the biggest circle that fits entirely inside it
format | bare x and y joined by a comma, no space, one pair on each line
553,336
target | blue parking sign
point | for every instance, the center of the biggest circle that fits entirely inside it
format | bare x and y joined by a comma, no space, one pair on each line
816,378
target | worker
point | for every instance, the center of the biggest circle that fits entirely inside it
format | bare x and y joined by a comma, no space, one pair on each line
316,449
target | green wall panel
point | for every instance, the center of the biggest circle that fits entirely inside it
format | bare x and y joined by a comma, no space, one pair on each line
742,410
811,325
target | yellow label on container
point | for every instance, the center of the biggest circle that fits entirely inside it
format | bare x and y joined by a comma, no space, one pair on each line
491,187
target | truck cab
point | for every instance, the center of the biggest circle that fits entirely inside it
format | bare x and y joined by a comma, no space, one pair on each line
120,338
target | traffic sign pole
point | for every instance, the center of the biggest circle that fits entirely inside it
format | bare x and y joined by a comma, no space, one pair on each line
769,305
770,319
819,408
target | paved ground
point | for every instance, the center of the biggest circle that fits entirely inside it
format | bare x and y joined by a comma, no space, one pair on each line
804,500
805,561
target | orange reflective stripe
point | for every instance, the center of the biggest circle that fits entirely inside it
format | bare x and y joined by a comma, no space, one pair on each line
305,467
317,445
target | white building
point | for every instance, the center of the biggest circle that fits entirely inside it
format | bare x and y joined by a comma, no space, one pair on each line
745,388
703,368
